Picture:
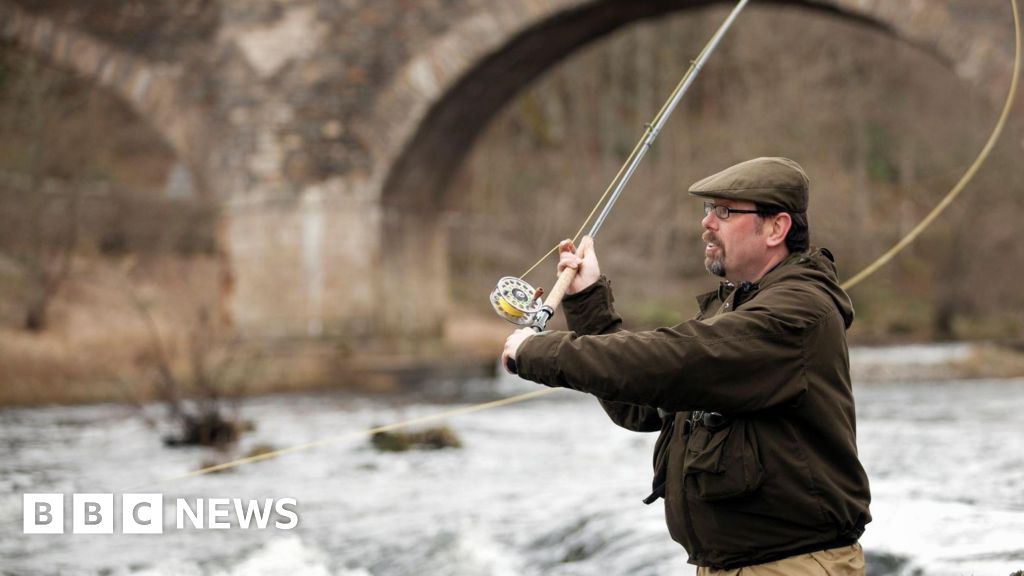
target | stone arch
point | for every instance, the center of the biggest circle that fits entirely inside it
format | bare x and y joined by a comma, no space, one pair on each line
153,90
430,114
442,97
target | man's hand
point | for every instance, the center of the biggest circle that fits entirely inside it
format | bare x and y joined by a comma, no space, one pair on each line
512,344
583,260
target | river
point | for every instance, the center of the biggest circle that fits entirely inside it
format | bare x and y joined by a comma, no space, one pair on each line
544,487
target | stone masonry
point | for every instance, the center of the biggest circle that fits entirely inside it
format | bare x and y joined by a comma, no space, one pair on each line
328,129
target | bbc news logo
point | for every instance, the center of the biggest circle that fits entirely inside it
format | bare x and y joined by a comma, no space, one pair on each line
144,514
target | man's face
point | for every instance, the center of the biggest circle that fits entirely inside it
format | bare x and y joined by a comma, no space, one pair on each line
735,248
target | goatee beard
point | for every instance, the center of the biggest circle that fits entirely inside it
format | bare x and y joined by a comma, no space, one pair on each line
716,267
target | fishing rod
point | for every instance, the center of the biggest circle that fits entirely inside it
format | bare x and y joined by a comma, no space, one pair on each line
516,300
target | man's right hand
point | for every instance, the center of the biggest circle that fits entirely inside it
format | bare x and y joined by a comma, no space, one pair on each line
583,259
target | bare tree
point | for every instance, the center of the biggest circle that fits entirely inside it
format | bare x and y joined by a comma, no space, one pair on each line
198,377
45,183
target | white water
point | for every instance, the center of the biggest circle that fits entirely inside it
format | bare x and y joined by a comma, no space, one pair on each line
545,487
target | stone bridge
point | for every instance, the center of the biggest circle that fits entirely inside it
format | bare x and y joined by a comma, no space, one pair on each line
328,130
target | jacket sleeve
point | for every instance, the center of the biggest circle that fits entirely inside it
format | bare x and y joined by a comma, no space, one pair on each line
740,361
590,312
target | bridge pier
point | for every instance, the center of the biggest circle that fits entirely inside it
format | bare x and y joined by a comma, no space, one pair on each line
300,264
330,263
413,289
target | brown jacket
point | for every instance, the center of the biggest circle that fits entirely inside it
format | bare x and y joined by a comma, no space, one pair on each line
777,474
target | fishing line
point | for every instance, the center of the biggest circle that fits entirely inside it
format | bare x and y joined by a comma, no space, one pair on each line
505,306
971,171
853,281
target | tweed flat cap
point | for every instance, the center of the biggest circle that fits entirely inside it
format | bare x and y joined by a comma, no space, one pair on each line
774,182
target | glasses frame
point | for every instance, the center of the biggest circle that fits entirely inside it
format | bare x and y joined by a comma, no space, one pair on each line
722,212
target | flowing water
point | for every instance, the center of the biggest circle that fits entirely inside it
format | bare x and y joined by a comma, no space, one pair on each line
545,487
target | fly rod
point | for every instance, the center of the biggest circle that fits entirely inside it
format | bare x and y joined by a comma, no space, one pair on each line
518,302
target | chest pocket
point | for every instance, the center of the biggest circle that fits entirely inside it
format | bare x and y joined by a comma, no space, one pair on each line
725,461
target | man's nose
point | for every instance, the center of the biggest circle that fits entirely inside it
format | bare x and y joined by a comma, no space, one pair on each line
710,221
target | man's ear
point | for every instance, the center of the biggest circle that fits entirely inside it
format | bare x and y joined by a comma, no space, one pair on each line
779,229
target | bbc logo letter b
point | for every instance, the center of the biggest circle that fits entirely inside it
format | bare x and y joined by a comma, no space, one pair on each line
93,513
43,514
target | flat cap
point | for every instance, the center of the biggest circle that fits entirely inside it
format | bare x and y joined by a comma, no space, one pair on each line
773,182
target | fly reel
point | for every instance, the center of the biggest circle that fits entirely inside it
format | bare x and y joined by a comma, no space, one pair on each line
516,301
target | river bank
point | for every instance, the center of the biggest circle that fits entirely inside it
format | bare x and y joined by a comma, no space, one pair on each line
43,371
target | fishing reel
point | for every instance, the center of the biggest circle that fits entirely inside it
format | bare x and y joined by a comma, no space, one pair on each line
519,303
516,301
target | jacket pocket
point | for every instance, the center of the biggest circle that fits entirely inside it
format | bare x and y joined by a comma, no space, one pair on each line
726,462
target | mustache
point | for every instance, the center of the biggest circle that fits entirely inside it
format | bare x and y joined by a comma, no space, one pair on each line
709,238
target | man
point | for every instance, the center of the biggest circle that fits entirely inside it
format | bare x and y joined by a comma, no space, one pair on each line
757,458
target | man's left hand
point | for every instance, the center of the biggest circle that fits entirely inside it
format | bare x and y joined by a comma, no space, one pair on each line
512,344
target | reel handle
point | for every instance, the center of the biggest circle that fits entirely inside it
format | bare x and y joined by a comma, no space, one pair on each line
551,304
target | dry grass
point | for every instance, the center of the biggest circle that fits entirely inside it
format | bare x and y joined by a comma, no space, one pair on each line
983,361
93,350
991,361
90,351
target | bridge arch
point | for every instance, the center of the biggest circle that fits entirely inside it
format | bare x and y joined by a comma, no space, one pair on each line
155,91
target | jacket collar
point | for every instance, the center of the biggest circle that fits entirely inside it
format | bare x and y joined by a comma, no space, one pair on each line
707,300
778,270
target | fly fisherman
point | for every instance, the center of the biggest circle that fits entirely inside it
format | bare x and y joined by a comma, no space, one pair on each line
757,457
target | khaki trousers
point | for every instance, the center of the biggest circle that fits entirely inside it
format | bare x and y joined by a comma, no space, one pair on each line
844,561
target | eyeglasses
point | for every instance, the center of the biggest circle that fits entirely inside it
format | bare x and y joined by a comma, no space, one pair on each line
722,212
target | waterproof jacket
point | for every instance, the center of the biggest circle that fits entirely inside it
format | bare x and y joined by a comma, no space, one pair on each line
774,470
